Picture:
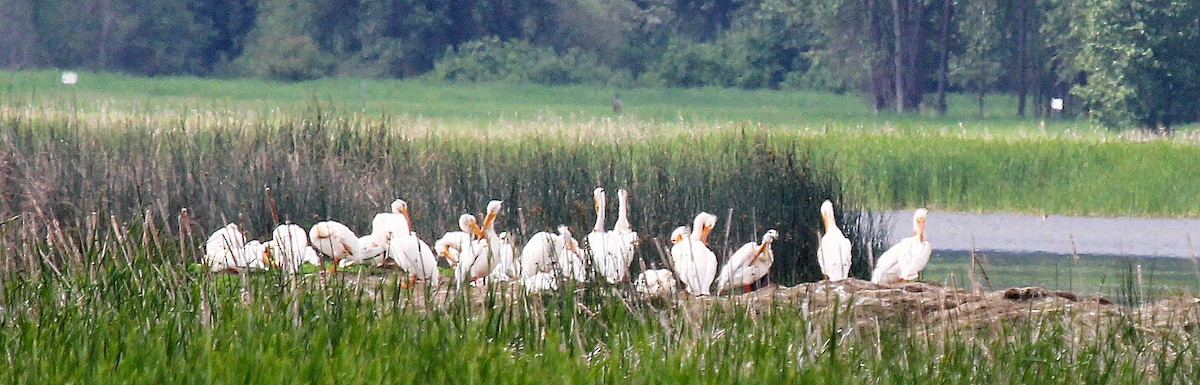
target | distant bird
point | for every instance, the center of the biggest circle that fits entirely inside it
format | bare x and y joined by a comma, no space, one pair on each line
906,259
389,224
335,240
748,264
538,255
656,282
617,106
371,249
224,249
694,263
469,232
833,253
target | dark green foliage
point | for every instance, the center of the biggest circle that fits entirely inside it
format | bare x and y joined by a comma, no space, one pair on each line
491,59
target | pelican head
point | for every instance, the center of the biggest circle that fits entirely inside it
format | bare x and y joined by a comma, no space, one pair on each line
598,198
827,215
702,225
919,223
468,224
399,206
679,235
445,248
493,207
770,236
623,194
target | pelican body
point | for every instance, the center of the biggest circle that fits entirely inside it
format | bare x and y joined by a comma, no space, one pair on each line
748,264
905,260
833,253
695,264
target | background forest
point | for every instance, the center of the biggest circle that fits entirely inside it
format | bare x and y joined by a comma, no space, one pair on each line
1124,64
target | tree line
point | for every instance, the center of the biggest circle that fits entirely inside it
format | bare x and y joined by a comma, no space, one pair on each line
1123,64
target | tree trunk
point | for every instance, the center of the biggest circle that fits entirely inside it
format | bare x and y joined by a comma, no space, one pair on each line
1022,49
897,24
944,57
982,93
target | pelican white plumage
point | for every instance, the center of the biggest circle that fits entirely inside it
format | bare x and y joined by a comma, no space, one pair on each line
570,259
694,263
335,240
500,249
392,223
253,255
833,253
622,233
540,281
748,264
469,232
372,248
905,260
656,282
289,248
607,248
538,255
465,251
224,249
411,253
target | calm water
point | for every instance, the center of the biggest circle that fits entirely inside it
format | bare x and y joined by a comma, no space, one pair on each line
1029,250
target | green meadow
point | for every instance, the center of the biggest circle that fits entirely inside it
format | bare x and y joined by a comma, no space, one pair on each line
109,190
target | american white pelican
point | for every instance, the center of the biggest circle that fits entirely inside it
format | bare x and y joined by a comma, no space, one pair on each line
538,255
224,249
465,251
372,249
540,281
411,253
657,282
610,254
335,240
415,257
570,259
626,239
905,260
469,232
694,263
501,251
253,255
748,264
833,254
392,223
289,248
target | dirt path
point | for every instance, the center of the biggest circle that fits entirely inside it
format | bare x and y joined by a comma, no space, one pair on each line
1011,233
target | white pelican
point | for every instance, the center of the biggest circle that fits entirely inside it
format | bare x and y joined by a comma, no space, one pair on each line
501,252
371,249
833,254
657,282
254,253
224,249
465,251
626,239
694,263
469,232
570,259
415,257
748,264
905,260
540,281
392,223
608,250
335,240
411,253
538,255
289,249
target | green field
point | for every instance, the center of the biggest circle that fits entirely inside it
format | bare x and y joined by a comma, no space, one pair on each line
96,247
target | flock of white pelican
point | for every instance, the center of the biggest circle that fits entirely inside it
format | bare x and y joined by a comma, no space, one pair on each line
477,253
